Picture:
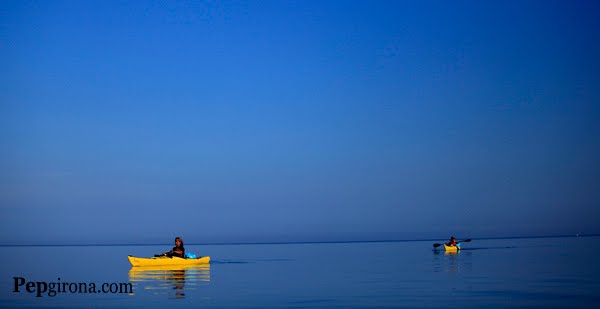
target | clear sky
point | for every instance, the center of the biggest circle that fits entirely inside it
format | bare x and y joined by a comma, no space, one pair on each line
133,121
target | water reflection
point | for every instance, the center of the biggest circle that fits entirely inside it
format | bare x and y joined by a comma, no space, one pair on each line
172,281
453,262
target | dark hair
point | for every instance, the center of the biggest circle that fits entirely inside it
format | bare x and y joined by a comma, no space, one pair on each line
180,239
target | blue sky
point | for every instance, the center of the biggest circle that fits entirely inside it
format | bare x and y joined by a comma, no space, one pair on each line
292,121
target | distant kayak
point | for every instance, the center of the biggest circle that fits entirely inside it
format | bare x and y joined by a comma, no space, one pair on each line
166,261
452,248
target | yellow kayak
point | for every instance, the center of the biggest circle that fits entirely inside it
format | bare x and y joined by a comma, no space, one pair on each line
166,261
452,248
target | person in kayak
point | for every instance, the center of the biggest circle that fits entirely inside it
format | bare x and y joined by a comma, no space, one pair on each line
178,250
452,242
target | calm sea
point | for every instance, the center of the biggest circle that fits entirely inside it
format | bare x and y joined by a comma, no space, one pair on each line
528,272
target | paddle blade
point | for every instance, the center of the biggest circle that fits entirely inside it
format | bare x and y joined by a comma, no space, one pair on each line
466,240
436,245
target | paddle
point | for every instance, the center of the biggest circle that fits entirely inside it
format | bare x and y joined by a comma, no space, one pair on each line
437,245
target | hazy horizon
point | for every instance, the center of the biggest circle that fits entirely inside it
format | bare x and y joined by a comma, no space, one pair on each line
275,240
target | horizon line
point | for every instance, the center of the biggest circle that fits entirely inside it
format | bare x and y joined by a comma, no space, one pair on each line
289,242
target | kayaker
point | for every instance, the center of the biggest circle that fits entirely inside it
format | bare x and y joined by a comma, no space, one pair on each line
452,242
178,250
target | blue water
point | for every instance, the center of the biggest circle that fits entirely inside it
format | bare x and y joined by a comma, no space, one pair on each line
532,272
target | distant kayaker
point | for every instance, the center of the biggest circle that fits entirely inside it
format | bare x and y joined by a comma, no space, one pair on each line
178,250
452,242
